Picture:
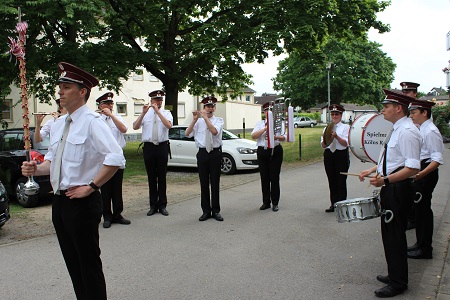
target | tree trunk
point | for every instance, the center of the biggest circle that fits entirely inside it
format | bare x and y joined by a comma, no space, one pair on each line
171,89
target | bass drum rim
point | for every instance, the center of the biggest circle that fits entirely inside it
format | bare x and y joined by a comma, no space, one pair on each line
367,157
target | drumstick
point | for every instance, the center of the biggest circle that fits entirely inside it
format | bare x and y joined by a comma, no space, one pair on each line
353,174
368,176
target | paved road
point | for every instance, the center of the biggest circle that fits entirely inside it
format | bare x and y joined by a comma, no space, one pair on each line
300,252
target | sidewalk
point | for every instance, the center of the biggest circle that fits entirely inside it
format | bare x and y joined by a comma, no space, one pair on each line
299,252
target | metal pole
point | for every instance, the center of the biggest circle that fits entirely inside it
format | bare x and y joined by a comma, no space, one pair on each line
300,146
328,111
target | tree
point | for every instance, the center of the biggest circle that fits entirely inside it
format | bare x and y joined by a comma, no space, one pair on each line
194,44
441,117
359,71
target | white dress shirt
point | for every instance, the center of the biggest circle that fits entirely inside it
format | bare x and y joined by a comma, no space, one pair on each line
147,125
341,130
403,148
200,129
90,145
45,130
118,135
262,141
432,143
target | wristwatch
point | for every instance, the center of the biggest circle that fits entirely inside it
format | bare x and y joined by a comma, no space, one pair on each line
386,180
93,185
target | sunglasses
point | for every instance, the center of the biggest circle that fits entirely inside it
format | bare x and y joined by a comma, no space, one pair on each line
335,114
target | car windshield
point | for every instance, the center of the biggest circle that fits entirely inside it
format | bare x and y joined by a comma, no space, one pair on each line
226,135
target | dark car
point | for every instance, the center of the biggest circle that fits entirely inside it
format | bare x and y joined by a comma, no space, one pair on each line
12,154
4,205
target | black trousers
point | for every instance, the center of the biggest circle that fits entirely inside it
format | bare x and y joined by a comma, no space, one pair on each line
423,212
209,173
269,171
155,159
336,162
112,194
76,225
397,197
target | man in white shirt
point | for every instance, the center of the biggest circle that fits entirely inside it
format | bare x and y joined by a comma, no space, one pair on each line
335,156
155,123
431,157
91,157
112,190
399,161
207,132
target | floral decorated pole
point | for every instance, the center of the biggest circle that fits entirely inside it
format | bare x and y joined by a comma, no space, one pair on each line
17,48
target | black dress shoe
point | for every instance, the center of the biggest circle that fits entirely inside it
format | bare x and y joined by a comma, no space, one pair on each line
205,217
106,224
419,254
383,279
217,216
413,247
164,211
122,221
275,208
388,291
410,225
151,212
331,209
264,207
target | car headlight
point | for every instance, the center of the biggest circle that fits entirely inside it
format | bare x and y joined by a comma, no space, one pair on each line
243,150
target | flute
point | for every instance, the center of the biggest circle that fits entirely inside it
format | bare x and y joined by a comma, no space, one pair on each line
45,113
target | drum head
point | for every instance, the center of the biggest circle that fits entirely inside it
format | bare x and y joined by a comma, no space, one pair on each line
366,136
327,137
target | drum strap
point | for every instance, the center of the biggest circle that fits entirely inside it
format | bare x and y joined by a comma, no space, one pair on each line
384,160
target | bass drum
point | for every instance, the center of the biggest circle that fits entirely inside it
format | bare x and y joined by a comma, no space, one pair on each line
366,136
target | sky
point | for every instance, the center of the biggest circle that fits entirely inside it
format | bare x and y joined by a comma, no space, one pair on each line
417,44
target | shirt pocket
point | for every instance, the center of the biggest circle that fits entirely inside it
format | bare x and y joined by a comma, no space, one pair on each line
74,148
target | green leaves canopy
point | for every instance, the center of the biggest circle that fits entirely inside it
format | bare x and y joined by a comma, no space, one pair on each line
359,71
194,44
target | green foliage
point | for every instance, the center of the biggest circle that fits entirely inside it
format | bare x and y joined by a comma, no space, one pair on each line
196,44
359,71
441,118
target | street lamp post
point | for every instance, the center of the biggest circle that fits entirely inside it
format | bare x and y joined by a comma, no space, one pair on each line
328,110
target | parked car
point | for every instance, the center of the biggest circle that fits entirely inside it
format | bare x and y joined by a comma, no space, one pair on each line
4,205
237,153
304,122
12,154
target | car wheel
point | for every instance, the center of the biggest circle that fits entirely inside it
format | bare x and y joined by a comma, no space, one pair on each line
295,125
23,199
311,125
228,164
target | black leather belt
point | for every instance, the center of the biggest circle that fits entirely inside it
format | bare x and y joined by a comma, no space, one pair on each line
159,143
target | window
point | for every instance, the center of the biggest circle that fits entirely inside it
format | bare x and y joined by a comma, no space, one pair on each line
181,110
138,75
138,108
153,78
7,110
122,109
12,141
247,98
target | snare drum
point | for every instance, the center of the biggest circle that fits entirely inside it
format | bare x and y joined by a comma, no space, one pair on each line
366,136
357,209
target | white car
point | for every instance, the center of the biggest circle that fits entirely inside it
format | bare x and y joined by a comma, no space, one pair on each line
237,153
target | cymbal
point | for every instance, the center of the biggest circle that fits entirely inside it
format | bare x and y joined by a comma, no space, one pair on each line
327,137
